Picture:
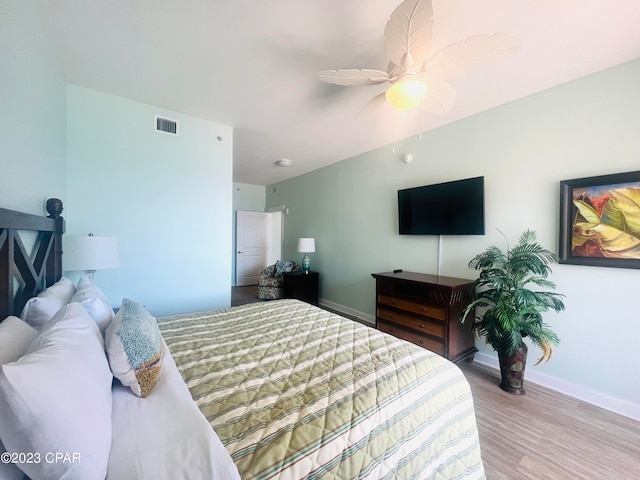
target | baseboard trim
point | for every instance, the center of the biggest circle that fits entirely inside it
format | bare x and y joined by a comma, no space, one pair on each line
348,312
587,395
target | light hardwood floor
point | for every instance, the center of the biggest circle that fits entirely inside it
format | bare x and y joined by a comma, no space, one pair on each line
243,295
548,435
543,435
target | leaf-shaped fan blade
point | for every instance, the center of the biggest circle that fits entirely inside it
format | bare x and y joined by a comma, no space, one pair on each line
394,70
409,32
376,105
440,97
353,77
471,54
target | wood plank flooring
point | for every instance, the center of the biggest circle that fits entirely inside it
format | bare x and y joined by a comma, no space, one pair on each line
543,435
244,295
548,435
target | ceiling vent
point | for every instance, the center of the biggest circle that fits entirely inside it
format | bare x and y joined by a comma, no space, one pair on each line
165,125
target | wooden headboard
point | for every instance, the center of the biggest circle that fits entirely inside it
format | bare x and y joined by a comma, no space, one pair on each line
24,274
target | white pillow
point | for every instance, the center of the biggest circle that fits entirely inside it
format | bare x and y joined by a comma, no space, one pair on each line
15,338
165,436
94,301
40,309
134,346
58,399
8,471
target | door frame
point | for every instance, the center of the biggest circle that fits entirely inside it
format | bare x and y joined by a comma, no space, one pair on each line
271,237
277,237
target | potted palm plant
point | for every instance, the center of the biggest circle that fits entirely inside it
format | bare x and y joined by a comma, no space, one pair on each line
508,310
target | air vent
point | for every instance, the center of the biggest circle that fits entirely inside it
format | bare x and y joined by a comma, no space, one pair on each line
166,125
274,190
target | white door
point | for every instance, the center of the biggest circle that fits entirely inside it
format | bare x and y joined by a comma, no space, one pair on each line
251,243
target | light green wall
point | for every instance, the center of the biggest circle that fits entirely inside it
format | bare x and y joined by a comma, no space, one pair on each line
167,198
249,198
32,110
523,149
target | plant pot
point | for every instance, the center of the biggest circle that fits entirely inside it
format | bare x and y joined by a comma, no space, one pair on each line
512,370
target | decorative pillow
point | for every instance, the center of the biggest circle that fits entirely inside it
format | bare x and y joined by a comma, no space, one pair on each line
165,436
15,338
94,301
40,309
282,267
57,398
134,346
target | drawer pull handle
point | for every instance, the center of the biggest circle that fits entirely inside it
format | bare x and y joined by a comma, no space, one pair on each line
393,302
393,317
421,342
422,325
423,309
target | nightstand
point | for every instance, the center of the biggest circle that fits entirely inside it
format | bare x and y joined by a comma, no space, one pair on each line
301,286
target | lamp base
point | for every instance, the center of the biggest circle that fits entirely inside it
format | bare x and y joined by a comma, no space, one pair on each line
306,263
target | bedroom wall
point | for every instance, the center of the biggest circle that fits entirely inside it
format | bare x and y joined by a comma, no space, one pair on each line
524,149
33,112
168,200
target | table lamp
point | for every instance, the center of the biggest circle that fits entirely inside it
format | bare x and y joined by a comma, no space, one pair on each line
90,253
306,245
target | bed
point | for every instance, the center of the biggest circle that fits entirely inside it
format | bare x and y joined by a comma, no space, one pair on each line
283,389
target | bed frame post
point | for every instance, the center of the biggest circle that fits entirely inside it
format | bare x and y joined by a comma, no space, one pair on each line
24,274
54,262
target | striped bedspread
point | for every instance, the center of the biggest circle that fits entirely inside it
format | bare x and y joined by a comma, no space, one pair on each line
294,391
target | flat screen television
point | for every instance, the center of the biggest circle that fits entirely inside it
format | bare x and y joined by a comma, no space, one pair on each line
450,208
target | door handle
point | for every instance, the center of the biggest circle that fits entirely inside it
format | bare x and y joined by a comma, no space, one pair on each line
240,252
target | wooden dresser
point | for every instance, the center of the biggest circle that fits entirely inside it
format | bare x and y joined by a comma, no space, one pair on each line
426,310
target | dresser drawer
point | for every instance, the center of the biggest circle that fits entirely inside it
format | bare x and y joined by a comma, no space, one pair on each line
435,329
428,343
436,313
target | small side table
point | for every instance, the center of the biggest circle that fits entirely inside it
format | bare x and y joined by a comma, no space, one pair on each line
301,286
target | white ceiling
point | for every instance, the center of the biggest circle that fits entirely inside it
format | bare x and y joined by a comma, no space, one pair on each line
252,64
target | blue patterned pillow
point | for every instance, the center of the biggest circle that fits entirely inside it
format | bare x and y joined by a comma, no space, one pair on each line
282,267
134,347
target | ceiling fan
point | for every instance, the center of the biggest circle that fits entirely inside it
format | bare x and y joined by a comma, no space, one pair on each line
417,78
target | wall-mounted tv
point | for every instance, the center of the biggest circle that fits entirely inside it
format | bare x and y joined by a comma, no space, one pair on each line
450,208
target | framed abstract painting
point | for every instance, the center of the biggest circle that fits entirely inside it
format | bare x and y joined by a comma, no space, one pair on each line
600,220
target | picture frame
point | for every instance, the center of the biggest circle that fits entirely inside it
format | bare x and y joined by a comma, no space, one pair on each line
600,221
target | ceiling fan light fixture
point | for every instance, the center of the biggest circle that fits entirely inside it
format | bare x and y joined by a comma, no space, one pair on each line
406,94
408,35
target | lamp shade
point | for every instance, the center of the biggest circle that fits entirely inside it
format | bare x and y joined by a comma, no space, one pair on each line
90,253
307,245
